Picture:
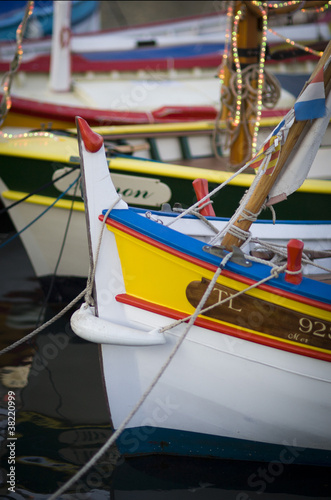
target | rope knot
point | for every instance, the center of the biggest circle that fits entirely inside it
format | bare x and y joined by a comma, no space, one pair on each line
277,270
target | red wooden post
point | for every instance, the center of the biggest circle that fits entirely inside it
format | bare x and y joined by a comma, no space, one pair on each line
294,256
201,190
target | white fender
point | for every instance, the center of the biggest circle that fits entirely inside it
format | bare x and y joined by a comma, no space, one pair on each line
88,326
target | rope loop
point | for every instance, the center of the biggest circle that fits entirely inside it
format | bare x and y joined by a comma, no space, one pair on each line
248,215
287,271
239,233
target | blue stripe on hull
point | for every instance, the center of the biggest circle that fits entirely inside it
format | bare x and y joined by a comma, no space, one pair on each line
155,52
148,440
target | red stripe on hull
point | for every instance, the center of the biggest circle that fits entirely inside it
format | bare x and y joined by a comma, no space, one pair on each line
225,329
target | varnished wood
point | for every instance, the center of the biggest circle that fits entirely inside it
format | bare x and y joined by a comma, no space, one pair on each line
261,316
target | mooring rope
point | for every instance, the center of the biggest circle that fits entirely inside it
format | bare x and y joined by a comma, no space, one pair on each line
281,250
123,425
91,275
36,191
274,273
41,214
212,193
190,319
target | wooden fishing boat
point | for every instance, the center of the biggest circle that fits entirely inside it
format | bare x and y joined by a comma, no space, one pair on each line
105,95
203,352
38,176
199,39
190,42
39,172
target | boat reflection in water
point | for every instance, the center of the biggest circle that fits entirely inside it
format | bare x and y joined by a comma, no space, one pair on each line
62,420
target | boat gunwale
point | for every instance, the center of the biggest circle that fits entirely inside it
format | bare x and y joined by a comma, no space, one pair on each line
310,291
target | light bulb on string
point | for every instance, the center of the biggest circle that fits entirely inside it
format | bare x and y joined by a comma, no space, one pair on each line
260,82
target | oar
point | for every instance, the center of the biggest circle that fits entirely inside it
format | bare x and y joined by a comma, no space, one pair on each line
263,187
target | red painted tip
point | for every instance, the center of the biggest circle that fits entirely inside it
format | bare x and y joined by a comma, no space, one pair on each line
294,256
92,141
201,190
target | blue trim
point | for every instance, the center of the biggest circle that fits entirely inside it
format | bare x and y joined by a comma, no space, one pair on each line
152,440
186,244
155,52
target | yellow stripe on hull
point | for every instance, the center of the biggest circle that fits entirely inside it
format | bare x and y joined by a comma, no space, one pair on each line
161,279
157,276
151,128
15,119
43,200
55,148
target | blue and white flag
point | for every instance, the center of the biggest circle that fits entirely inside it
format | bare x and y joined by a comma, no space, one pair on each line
311,103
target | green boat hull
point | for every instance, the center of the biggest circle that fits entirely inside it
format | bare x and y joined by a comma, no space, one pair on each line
25,175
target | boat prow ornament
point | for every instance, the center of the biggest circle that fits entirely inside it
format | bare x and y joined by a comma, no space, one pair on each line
93,142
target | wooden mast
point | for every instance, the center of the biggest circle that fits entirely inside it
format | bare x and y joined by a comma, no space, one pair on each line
249,42
266,182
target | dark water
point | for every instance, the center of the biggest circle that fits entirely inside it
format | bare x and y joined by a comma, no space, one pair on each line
62,419
54,384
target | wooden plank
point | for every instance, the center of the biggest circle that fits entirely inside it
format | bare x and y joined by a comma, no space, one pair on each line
261,316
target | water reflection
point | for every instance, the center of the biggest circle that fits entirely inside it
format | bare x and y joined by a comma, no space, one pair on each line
62,420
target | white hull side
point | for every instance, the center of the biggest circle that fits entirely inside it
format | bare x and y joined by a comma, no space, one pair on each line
222,386
136,92
201,29
43,239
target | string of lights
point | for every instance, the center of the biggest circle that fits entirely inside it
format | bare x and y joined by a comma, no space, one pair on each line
260,82
227,44
279,5
39,133
14,65
321,9
295,44
234,108
236,60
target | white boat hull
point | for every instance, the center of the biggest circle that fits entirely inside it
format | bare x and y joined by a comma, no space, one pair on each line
216,389
240,391
198,30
